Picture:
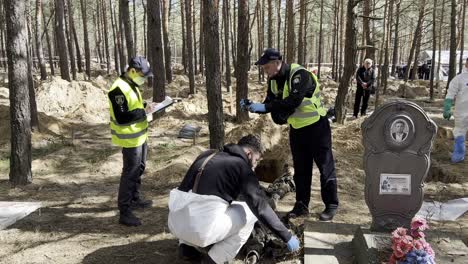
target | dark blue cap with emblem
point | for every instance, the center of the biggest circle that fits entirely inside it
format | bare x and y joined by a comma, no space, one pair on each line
269,54
141,64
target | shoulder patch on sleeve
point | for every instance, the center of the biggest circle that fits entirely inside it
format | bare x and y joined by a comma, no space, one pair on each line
296,80
119,99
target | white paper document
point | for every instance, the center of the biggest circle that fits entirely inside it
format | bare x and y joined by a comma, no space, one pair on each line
160,106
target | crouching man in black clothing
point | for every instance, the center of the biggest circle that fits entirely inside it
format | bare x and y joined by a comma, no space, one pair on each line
203,211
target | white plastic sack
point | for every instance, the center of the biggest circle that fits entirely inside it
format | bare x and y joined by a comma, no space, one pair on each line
202,210
448,211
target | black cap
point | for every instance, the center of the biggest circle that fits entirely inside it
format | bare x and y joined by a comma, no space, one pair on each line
269,55
141,64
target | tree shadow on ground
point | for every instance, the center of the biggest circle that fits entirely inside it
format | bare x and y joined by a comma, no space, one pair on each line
161,252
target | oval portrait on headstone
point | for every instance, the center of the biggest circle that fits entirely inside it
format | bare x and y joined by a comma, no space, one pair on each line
399,131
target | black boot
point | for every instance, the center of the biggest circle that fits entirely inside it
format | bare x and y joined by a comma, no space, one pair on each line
327,214
129,219
141,204
299,210
189,253
207,260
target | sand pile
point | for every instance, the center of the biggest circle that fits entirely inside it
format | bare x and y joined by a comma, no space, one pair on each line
73,100
275,139
348,138
4,93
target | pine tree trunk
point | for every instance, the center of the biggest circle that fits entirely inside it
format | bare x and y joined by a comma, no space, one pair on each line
124,56
243,59
97,38
114,39
167,45
349,62
396,39
85,38
335,40
259,39
156,46
49,45
40,53
270,24
201,48
127,28
434,46
278,16
3,62
213,73
226,46
61,40
342,26
184,35
75,37
194,37
370,49
320,45
20,119
300,46
68,35
144,27
442,16
32,93
233,37
188,38
385,67
453,43
462,34
290,55
135,42
417,34
106,35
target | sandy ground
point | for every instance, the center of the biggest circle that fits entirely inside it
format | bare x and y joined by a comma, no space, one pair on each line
76,173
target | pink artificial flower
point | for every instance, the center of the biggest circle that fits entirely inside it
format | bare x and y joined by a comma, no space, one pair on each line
398,252
419,224
392,259
398,233
419,244
428,249
417,234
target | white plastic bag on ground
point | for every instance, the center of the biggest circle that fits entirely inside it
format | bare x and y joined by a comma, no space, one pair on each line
448,211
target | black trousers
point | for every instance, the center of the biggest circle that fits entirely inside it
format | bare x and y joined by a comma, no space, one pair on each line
309,144
360,92
134,163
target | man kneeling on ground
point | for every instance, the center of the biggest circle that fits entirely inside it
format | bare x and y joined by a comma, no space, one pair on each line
203,211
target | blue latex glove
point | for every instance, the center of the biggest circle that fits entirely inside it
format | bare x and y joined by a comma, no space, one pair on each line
293,244
257,108
244,104
448,108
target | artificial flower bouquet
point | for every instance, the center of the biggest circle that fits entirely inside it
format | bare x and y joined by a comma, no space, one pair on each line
410,246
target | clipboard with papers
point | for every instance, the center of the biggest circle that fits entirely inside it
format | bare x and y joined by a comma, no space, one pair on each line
168,101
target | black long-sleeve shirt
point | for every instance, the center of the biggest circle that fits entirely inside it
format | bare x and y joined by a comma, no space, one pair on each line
364,75
303,85
120,105
227,175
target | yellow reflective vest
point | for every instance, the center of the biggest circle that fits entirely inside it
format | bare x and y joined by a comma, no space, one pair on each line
310,109
132,134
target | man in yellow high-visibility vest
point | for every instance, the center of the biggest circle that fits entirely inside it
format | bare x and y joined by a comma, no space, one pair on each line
129,130
293,97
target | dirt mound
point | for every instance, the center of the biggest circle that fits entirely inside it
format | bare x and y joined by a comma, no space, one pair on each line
412,90
73,100
275,140
4,93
